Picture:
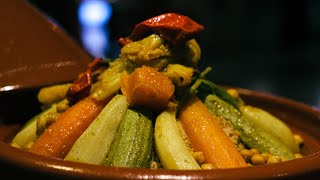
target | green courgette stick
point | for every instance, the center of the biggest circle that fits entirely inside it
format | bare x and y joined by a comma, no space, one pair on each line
28,133
264,120
94,144
252,136
133,144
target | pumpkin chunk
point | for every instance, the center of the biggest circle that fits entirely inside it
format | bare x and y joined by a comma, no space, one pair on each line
145,86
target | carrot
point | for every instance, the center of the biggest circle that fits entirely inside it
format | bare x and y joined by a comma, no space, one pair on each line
58,138
207,136
147,87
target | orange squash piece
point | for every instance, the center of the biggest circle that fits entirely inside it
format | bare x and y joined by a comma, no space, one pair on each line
145,86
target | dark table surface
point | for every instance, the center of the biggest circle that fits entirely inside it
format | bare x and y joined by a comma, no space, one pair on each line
268,46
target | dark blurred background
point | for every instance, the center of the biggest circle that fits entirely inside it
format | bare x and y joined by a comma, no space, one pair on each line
268,45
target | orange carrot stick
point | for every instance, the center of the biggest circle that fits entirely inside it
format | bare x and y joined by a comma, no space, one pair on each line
207,136
58,138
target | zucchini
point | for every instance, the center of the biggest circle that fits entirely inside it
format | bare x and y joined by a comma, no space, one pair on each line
171,148
133,144
28,133
204,87
253,137
264,120
95,142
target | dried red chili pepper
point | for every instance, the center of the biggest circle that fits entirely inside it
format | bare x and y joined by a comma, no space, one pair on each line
176,28
80,88
95,64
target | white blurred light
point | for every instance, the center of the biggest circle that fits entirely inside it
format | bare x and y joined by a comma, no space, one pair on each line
94,13
8,88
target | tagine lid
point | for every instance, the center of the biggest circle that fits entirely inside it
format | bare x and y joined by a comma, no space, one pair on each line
34,51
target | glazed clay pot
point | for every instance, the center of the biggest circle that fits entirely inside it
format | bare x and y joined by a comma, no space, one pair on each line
303,119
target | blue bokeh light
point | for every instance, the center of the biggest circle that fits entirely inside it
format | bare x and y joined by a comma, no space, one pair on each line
94,13
95,41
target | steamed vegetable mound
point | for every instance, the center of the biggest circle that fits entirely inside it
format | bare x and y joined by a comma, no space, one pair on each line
152,107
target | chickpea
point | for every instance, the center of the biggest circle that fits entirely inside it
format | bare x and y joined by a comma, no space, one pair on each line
246,154
298,139
234,93
198,156
298,155
207,166
257,159
274,159
254,151
265,156
154,165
